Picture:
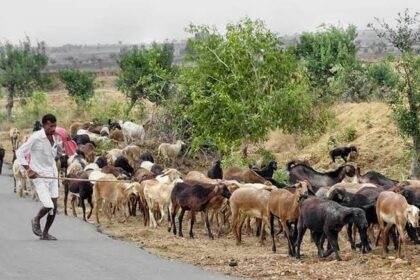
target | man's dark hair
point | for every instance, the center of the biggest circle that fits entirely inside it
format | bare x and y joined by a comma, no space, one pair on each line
49,118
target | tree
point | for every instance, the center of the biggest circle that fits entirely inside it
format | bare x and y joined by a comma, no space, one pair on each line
146,73
79,84
322,51
20,69
240,85
405,103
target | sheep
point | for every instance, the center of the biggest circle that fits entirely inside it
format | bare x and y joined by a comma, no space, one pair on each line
132,131
116,136
194,197
169,175
199,177
244,175
21,181
82,189
248,202
285,206
110,192
393,209
216,171
156,193
170,151
89,151
325,219
14,135
112,155
132,153
300,172
343,152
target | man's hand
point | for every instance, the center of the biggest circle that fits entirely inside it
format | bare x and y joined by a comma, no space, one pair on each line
31,174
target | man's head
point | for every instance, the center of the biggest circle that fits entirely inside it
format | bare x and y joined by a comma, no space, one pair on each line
49,123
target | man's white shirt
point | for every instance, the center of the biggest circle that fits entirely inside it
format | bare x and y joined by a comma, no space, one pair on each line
42,153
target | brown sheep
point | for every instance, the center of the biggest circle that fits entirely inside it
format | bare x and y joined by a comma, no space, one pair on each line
285,206
244,175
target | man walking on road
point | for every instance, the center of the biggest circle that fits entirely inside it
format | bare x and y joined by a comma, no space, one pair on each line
42,145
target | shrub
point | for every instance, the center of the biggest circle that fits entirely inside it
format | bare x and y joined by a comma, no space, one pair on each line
104,146
80,85
349,134
33,108
281,176
266,155
235,159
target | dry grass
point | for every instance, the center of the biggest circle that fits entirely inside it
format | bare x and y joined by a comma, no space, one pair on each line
381,149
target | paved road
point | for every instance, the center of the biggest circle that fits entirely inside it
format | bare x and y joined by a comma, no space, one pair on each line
80,253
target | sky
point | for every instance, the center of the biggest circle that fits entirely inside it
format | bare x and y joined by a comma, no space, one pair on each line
59,22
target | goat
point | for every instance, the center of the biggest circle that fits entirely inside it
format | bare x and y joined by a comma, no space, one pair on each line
21,181
132,131
325,219
199,177
112,155
170,151
113,125
375,178
285,206
300,172
89,151
393,209
216,171
249,202
82,189
194,197
343,152
132,153
245,175
122,162
37,126
267,171
14,135
147,156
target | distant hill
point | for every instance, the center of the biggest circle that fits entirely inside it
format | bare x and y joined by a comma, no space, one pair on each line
103,58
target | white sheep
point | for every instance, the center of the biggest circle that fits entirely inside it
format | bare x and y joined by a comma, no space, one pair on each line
170,151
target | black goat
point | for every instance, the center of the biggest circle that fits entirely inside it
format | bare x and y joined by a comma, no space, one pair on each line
64,163
156,169
267,171
147,156
84,189
101,161
37,126
343,152
2,153
82,139
122,162
215,172
325,219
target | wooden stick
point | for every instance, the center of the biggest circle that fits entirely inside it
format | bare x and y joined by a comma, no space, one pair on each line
81,180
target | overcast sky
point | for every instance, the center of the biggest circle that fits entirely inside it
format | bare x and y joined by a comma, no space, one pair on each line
60,22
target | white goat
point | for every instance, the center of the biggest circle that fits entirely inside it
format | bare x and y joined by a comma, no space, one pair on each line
14,134
132,131
170,151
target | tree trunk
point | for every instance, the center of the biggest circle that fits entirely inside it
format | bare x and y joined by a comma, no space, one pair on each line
9,106
415,163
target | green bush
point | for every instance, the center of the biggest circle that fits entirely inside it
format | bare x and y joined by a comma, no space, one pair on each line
235,159
266,155
33,108
349,134
281,176
103,108
105,145
79,84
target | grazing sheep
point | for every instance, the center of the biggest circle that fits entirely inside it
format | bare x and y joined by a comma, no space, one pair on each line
343,152
170,151
285,206
132,131
393,209
325,219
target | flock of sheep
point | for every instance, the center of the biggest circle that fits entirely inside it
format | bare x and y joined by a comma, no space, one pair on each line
126,180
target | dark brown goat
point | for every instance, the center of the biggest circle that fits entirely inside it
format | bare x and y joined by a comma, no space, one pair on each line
194,197
300,172
342,152
83,189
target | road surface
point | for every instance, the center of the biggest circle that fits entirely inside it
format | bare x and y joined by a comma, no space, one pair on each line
80,253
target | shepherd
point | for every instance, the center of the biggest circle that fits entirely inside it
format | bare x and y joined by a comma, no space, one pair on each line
43,146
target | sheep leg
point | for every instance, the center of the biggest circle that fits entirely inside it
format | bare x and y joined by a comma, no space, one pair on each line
162,213
239,228
258,222
289,241
401,240
98,205
173,214
318,238
385,239
208,224
73,200
301,232
272,232
332,237
82,201
350,236
66,194
181,215
91,206
152,221
192,223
